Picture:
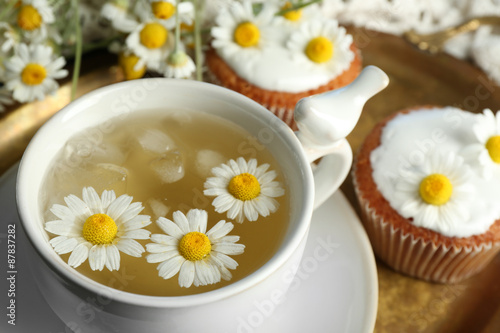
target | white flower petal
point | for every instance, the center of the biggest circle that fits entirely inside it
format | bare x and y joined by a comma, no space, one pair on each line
160,257
219,230
169,227
197,220
130,247
186,274
137,234
229,248
118,206
79,254
91,198
97,257
164,239
112,258
64,245
170,267
181,221
160,248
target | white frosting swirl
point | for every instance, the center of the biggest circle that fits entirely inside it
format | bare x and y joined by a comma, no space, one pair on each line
407,138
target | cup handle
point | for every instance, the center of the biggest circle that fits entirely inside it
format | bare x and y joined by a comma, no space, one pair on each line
332,169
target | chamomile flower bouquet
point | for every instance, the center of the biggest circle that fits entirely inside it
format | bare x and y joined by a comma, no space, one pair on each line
39,37
162,37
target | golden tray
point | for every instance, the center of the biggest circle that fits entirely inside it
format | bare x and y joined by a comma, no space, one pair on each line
416,78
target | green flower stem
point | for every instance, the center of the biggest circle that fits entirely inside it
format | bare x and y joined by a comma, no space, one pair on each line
7,9
78,49
177,28
197,40
296,7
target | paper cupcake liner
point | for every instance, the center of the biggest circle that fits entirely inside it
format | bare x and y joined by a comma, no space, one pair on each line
419,257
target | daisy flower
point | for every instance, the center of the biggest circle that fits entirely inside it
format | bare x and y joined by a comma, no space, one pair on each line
433,193
322,45
244,190
98,228
151,42
179,66
485,152
200,257
239,33
31,72
33,17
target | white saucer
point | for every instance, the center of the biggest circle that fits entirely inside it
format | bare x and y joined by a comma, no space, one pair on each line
335,290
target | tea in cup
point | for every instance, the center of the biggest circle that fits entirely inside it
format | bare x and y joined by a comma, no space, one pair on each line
140,111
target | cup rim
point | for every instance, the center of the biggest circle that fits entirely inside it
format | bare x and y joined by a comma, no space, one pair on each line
28,216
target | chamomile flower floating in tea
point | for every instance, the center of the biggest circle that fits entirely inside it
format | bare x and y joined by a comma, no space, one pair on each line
98,228
244,190
433,192
485,152
322,45
200,257
31,73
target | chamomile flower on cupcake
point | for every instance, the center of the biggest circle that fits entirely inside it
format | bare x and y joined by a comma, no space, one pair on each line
433,193
98,228
240,33
244,190
427,211
32,71
200,257
266,60
33,16
484,153
322,45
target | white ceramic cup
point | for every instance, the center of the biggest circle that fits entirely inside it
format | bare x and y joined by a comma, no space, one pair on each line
88,306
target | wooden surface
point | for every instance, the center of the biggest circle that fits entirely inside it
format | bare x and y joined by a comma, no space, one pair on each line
405,304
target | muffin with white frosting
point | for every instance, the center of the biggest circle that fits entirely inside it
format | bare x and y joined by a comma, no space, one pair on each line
276,57
428,183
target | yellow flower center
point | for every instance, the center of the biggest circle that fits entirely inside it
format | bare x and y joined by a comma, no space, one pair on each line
292,15
194,246
99,229
163,9
436,189
28,18
127,64
493,147
319,49
246,34
33,74
244,187
153,35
